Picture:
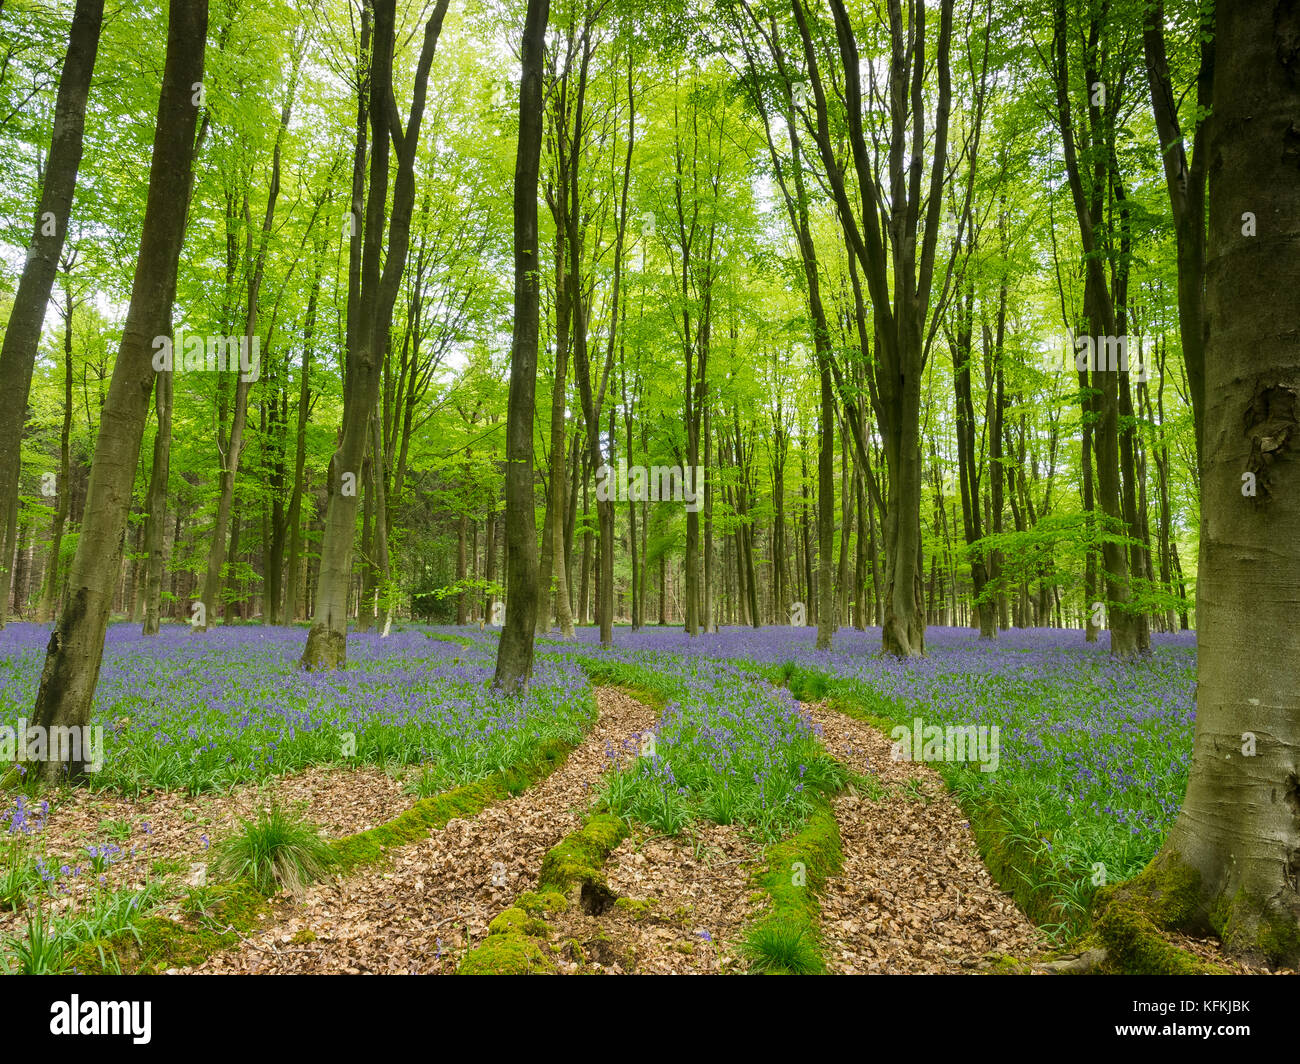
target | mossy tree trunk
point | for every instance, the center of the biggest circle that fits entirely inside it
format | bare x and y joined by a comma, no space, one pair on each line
1231,863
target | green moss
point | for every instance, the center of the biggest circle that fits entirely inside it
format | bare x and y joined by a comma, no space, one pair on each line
1278,939
1128,919
1135,946
1006,965
785,939
543,903
515,921
227,912
303,937
507,954
516,937
683,946
637,908
1167,891
215,916
798,867
1022,873
1254,933
579,858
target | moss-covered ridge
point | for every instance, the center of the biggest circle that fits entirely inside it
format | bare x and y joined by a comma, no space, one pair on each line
1128,919
572,873
434,812
216,917
212,918
786,939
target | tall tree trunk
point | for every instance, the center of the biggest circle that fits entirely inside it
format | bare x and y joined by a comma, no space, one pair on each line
638,564
383,574
212,581
76,646
1099,314
552,570
292,577
706,596
462,596
155,523
1234,852
1185,183
27,316
846,527
515,651
53,589
860,616
327,641
968,466
366,598
904,258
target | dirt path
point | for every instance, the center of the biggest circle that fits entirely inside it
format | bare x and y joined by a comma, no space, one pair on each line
914,896
418,913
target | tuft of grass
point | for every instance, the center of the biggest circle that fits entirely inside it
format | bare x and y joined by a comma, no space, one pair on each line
19,877
115,912
274,851
785,939
782,947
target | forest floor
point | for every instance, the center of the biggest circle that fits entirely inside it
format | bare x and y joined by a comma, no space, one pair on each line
420,910
754,739
913,896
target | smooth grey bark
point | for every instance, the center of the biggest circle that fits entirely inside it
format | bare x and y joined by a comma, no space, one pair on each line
514,663
1231,862
76,645
326,646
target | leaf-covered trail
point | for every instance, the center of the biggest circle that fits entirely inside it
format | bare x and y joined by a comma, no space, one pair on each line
914,895
413,914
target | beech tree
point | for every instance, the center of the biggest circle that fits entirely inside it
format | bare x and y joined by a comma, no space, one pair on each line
895,249
23,333
514,663
1231,862
76,645
368,333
